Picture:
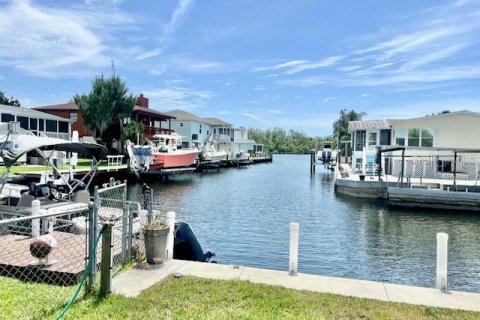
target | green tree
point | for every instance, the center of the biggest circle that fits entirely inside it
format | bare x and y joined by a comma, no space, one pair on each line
340,126
105,107
132,131
10,102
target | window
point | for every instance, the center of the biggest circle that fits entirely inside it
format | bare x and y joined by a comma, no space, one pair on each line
200,131
400,142
372,138
41,124
23,122
385,136
400,136
427,138
360,140
194,136
73,116
33,124
414,137
6,117
181,124
51,126
63,126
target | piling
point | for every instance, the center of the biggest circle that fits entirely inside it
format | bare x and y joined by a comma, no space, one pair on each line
170,239
442,260
106,262
312,161
35,222
293,257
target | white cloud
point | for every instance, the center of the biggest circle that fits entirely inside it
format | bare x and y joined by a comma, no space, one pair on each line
296,66
180,11
178,97
33,41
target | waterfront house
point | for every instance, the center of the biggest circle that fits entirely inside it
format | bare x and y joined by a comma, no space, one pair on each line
429,142
197,130
38,122
153,121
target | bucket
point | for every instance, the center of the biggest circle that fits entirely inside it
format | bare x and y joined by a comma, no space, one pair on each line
155,245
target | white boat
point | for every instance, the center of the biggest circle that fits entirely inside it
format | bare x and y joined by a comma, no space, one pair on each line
212,154
164,151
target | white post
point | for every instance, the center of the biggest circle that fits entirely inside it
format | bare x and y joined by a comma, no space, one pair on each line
442,259
35,222
293,258
170,240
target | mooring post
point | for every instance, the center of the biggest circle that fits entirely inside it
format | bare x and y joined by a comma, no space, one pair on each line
106,262
442,260
170,239
293,257
312,162
35,222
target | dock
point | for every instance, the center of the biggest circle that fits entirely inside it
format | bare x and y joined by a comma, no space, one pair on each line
413,193
131,283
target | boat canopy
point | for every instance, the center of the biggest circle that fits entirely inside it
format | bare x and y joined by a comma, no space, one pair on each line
17,142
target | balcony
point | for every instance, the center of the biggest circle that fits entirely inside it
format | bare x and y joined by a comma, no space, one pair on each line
149,132
220,137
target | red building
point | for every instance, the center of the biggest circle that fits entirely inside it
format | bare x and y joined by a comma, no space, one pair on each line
153,121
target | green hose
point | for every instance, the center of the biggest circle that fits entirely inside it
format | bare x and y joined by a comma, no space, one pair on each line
83,279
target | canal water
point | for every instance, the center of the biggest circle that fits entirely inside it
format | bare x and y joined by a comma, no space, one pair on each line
243,215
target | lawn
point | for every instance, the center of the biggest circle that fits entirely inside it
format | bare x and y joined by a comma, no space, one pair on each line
82,164
193,298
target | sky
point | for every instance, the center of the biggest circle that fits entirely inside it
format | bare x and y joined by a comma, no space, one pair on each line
253,63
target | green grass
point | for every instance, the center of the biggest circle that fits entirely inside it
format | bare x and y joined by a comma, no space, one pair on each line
193,298
81,164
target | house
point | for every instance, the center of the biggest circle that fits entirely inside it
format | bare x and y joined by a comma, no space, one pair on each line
429,143
196,130
154,121
38,122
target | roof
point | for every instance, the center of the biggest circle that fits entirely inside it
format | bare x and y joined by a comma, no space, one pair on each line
61,106
184,115
72,106
151,111
217,122
28,112
368,125
436,116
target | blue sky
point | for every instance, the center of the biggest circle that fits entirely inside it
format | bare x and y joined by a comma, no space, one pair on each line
254,63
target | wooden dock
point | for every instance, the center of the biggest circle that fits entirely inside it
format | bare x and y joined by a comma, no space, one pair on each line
69,259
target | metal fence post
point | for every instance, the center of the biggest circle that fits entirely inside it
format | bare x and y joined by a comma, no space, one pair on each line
92,233
125,226
106,263
130,233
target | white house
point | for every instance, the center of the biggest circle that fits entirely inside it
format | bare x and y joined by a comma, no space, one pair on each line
429,143
37,121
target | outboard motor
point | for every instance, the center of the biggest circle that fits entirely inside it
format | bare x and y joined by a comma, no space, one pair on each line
186,245
324,156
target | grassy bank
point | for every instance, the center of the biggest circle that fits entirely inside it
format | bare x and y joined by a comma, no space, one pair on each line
192,298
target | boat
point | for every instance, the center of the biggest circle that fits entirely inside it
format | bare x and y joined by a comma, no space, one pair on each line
327,155
163,152
52,186
212,154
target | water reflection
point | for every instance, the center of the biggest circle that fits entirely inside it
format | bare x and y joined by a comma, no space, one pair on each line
244,215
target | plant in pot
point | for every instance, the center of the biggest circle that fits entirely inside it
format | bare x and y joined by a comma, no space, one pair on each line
155,234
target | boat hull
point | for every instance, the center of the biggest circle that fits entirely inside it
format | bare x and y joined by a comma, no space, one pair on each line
177,159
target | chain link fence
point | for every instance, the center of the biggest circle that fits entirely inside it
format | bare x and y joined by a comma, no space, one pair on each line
46,246
57,243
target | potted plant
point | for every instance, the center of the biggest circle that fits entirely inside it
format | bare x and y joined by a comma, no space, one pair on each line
362,177
155,236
